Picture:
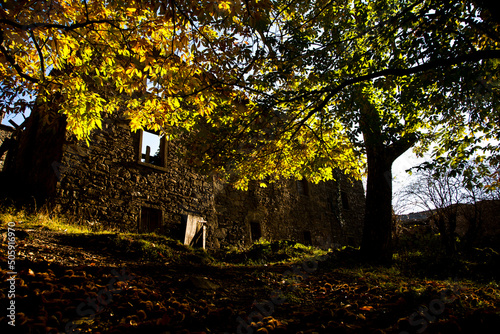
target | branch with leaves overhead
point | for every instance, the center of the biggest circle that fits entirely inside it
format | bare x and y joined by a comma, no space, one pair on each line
183,66
150,58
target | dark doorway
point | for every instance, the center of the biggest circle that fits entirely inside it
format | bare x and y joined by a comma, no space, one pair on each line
151,220
255,231
307,238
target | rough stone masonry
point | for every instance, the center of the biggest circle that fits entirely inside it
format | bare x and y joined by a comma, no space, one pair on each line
128,182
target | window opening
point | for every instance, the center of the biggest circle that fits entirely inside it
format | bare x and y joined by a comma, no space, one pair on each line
151,148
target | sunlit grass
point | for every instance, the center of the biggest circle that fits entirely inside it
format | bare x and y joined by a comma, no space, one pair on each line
268,252
158,248
44,220
150,246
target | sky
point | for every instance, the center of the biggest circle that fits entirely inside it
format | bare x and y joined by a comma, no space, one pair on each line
401,178
16,118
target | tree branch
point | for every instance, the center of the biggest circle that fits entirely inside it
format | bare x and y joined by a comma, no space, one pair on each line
399,147
30,27
435,64
26,27
13,62
40,54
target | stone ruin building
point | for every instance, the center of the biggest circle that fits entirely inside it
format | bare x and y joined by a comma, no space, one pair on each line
134,182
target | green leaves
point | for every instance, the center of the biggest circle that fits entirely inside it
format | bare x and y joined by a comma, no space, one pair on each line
278,86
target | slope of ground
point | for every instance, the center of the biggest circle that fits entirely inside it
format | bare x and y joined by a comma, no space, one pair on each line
111,283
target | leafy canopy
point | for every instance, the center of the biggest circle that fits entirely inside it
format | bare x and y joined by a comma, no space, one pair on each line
174,66
157,61
263,87
379,75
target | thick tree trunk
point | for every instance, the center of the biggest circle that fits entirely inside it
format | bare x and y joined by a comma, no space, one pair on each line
376,244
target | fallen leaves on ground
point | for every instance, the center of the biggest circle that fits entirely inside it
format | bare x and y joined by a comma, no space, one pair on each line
62,287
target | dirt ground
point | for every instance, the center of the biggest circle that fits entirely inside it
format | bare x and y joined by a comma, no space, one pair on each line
83,284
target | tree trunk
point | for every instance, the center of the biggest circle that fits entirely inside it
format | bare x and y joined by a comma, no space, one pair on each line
376,244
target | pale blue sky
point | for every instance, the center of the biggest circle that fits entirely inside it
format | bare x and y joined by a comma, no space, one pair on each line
401,178
16,118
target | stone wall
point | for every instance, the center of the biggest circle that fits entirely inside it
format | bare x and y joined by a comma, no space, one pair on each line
293,210
106,183
109,183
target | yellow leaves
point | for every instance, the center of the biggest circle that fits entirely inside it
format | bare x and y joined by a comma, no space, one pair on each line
133,103
225,5
294,154
82,108
153,57
98,123
135,123
236,20
173,103
130,70
209,32
65,51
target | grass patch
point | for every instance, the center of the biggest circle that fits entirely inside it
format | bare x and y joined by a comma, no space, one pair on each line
157,248
268,252
141,247
420,257
44,220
